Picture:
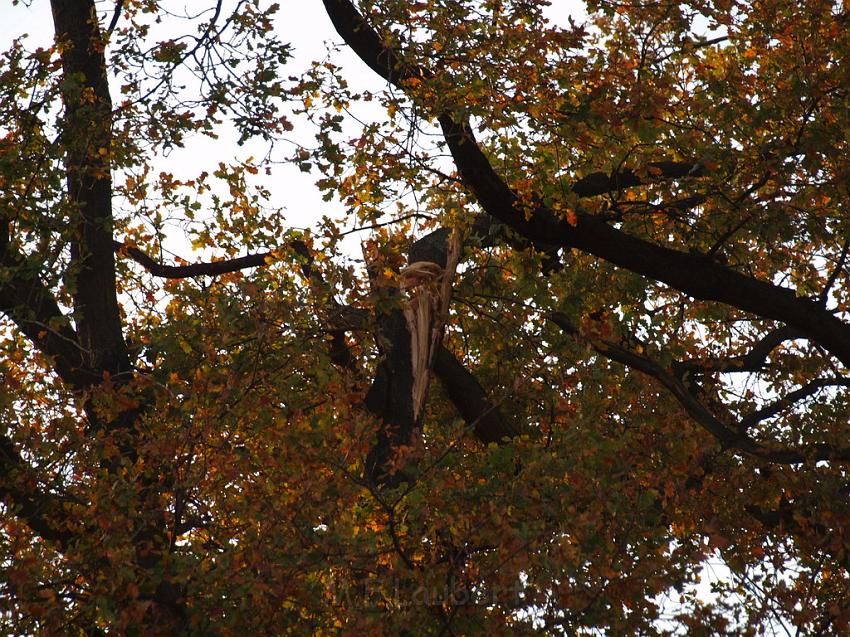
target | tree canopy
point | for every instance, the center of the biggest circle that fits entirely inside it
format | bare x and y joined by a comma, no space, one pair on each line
592,330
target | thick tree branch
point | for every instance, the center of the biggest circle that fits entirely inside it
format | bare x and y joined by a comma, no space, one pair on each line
34,310
780,405
461,386
729,434
795,518
600,183
211,268
691,274
753,361
390,399
87,143
87,136
361,37
725,434
41,511
339,352
26,300
390,396
470,399
116,14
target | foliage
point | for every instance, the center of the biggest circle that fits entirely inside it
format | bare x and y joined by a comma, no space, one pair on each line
643,365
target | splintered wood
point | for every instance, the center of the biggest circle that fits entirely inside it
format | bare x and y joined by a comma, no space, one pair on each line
428,287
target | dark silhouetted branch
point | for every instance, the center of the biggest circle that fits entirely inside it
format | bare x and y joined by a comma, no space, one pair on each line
729,434
212,268
789,399
470,399
600,183
691,274
752,361
41,511
87,136
27,301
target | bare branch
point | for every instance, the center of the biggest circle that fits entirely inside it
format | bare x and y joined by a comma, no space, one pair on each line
600,183
790,398
116,13
752,361
833,276
729,434
211,268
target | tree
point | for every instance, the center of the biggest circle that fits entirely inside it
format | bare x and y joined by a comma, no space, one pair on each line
598,336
